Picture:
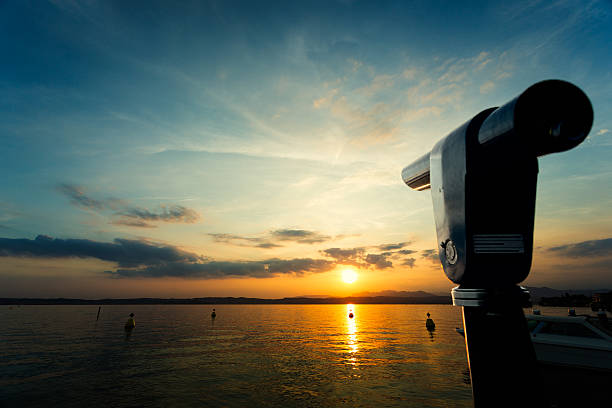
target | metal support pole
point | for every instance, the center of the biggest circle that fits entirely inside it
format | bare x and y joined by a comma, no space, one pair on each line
501,357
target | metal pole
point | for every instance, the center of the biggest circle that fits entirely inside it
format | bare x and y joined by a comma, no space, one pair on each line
501,357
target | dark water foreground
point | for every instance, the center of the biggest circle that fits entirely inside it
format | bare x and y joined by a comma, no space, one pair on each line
256,355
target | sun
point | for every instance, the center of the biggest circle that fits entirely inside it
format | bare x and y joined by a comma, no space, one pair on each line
349,276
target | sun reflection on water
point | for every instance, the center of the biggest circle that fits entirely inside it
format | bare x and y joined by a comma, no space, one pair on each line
351,338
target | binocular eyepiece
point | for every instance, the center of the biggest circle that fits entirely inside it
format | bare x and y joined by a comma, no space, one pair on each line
550,116
483,181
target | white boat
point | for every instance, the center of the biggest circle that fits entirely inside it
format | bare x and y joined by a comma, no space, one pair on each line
575,341
572,341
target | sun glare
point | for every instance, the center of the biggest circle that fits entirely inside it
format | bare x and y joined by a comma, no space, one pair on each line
349,276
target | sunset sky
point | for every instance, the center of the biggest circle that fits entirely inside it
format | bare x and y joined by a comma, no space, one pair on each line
222,148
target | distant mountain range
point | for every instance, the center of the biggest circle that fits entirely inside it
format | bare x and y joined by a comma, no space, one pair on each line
422,299
538,293
395,293
384,293
381,297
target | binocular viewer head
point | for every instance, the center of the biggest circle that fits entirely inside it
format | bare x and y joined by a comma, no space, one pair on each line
483,179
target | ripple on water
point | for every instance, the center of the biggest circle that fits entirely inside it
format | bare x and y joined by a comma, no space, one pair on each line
260,355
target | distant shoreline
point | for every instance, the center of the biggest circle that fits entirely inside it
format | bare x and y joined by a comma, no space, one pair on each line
426,300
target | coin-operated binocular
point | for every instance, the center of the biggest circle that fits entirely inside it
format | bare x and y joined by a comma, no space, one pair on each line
483,180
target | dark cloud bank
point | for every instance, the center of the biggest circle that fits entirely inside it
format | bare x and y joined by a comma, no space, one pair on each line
126,253
145,259
136,258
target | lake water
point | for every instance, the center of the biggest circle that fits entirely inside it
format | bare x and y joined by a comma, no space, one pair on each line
250,355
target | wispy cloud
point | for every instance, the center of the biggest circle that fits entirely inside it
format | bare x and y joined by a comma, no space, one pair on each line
272,239
390,247
227,269
132,223
300,236
239,240
585,249
324,100
174,213
411,94
378,83
77,197
487,87
125,214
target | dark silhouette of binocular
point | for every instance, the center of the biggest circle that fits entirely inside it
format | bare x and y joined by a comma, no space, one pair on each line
483,180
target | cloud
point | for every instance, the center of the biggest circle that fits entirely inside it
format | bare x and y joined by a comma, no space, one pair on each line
133,223
482,60
379,260
372,122
300,236
602,132
409,262
78,197
174,213
272,239
358,257
318,103
355,64
344,255
593,248
129,215
218,270
139,258
412,94
409,73
227,238
148,260
268,245
390,247
487,87
397,254
457,71
421,113
431,254
379,83
441,95
126,253
238,240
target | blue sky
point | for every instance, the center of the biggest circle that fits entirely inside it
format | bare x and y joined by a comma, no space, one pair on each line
235,135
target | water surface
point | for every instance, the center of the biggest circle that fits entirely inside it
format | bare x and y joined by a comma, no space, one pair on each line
250,355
